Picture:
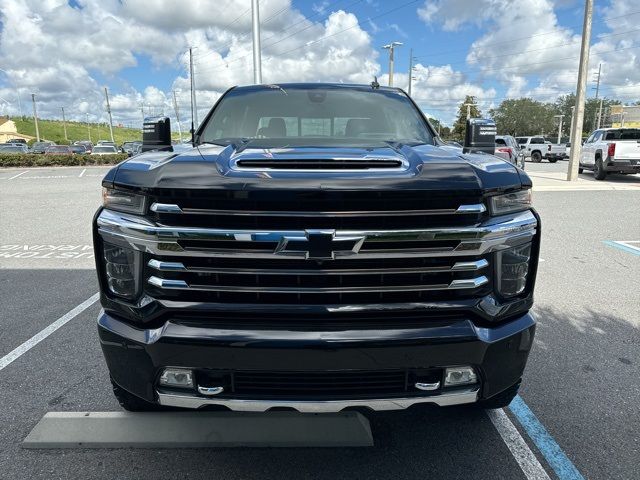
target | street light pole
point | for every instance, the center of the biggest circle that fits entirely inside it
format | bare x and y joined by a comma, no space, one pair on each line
88,127
469,105
391,47
578,118
257,57
64,125
175,107
35,116
410,69
106,95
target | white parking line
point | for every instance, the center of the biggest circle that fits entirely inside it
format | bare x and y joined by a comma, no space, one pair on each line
82,173
16,176
526,459
44,333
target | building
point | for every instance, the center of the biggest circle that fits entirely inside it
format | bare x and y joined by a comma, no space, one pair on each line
625,116
9,131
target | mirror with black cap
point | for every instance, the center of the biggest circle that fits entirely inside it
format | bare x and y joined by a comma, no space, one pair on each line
156,134
480,136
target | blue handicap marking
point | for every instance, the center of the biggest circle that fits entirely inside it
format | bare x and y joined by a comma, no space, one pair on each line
629,246
553,454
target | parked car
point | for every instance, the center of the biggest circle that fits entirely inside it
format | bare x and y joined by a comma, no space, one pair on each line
17,140
611,150
104,150
58,150
14,148
40,147
508,148
78,149
128,147
87,144
311,263
538,148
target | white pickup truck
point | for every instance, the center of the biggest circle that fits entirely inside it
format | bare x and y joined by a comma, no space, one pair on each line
537,148
611,150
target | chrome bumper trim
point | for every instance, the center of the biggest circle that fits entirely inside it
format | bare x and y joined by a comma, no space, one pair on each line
321,406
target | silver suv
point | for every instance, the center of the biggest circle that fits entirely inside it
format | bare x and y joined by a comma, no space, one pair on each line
507,147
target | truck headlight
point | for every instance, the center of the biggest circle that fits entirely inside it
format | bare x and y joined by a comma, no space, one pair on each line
122,267
123,201
512,268
511,202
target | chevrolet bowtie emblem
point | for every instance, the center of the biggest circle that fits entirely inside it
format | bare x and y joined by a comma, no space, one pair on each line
319,245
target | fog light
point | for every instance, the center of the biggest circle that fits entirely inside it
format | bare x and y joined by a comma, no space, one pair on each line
177,377
454,376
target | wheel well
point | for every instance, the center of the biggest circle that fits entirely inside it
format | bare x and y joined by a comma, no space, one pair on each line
599,154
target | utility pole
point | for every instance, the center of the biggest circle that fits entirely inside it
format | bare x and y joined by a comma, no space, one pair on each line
175,107
410,69
599,114
88,127
595,114
194,105
64,125
469,105
560,117
573,111
578,118
257,56
391,47
35,116
106,95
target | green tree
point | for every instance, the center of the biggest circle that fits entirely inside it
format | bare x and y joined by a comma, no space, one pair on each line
592,105
524,116
439,127
460,125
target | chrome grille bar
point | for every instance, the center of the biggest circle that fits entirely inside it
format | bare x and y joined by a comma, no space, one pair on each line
142,234
180,267
182,285
176,209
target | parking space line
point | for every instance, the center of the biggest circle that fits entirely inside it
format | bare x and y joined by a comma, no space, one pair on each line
551,451
82,173
624,246
526,459
16,176
44,333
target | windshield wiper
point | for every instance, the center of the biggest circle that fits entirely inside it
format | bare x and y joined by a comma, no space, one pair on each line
227,141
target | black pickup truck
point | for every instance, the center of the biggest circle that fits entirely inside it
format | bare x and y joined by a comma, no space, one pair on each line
317,247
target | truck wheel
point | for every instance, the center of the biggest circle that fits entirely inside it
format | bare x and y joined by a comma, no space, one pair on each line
536,157
502,399
553,160
599,172
580,169
131,403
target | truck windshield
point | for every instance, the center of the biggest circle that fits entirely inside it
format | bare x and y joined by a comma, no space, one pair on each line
327,115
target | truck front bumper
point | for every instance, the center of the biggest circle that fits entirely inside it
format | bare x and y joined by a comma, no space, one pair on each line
136,358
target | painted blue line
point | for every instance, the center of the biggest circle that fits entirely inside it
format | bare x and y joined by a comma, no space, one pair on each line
553,454
622,247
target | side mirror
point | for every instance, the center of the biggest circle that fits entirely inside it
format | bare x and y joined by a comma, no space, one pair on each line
156,134
480,136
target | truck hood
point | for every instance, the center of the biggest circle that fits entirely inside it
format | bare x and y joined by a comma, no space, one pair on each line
424,167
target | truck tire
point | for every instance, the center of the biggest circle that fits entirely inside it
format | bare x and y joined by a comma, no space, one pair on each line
599,172
580,169
502,399
553,160
131,403
536,157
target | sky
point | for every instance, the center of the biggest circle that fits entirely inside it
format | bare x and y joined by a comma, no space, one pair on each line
67,52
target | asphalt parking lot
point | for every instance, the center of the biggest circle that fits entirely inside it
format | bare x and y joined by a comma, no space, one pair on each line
582,382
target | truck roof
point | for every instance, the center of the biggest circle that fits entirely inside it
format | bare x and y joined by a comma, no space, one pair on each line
311,85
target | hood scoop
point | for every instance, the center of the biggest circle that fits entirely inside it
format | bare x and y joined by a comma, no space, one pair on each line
320,164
